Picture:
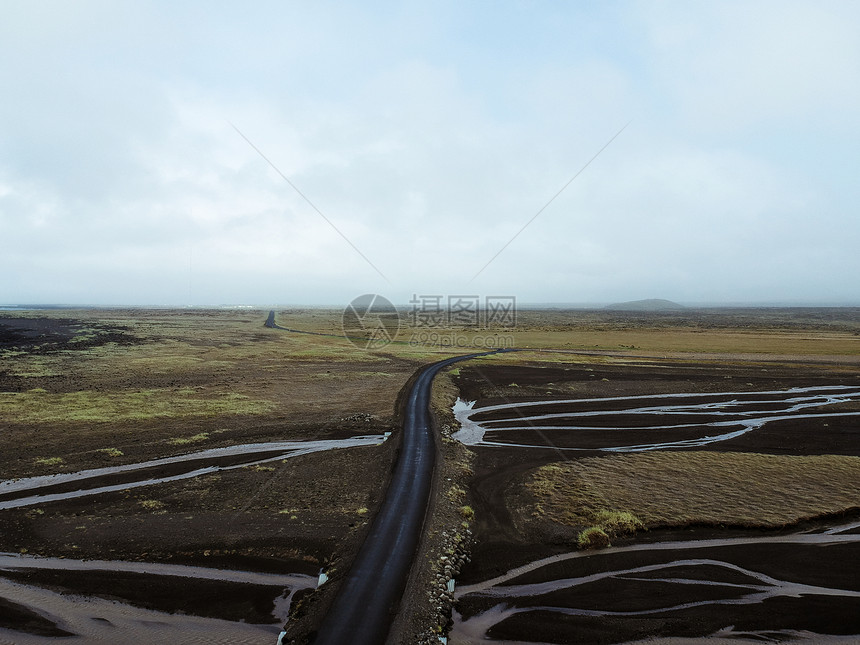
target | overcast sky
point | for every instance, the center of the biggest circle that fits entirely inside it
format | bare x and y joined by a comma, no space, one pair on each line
429,134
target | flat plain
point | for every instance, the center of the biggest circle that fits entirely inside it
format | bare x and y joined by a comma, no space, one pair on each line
200,438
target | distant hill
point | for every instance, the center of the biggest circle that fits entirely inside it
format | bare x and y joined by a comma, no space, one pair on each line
652,304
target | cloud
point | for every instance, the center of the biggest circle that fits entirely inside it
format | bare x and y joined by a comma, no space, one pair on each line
428,138
737,66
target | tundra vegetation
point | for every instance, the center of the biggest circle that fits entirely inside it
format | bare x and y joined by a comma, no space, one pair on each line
92,388
625,493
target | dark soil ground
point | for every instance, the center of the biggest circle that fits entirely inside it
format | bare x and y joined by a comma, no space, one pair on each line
19,618
822,614
311,512
302,515
503,540
43,335
208,598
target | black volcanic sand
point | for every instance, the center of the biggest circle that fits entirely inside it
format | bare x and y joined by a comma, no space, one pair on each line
499,545
22,619
152,472
771,402
826,436
42,335
208,598
638,378
292,517
193,528
817,614
227,514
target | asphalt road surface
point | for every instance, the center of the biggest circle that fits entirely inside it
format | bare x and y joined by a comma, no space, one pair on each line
368,599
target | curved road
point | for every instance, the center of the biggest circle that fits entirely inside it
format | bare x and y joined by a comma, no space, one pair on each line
367,601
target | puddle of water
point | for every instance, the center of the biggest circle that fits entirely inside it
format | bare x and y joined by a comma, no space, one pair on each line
14,561
821,539
474,433
96,621
842,389
729,421
284,450
760,588
768,587
729,636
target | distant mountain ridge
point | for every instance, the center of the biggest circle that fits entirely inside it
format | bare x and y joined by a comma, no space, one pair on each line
651,304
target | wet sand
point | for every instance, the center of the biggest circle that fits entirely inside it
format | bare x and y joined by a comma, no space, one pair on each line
92,601
28,491
728,584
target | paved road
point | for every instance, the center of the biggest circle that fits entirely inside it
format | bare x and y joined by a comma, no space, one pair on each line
369,596
367,601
